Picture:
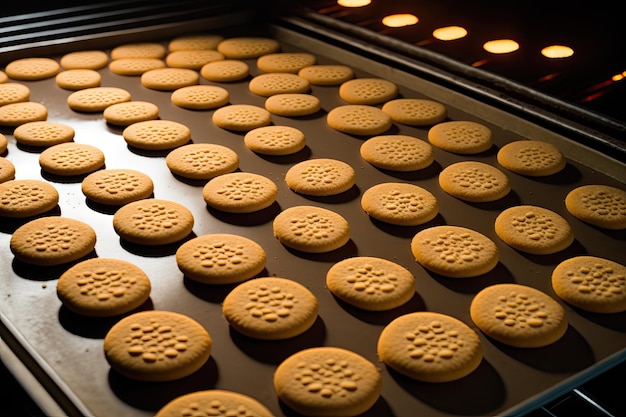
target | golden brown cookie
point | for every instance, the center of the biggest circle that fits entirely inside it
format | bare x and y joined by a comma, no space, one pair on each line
193,59
88,59
518,315
4,143
293,105
157,134
474,181
26,198
430,347
357,119
103,287
116,187
200,97
600,205
214,402
326,74
32,69
454,251
328,381
78,79
91,100
270,308
241,117
70,158
226,71
371,283
157,345
275,140
153,222
397,152
291,62
139,50
268,84
533,229
591,283
13,93
43,133
129,112
532,158
202,161
247,47
195,41
53,240
135,66
402,204
3,77
220,258
320,177
311,229
240,192
7,170
415,111
461,137
15,114
169,79
367,91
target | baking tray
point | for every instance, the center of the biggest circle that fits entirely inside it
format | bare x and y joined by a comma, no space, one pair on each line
65,351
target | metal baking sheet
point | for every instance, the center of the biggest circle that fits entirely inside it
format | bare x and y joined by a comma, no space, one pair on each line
67,348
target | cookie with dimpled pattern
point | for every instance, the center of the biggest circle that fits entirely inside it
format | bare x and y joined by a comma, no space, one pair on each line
600,205
397,152
275,140
215,401
88,59
43,133
358,119
116,187
326,74
129,112
320,177
402,204
202,161
241,117
415,112
13,93
462,137
240,192
291,62
96,99
247,47
26,198
368,91
474,181
71,158
32,69
78,79
15,114
157,134
532,158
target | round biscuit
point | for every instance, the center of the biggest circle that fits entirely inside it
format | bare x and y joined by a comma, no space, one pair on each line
3,77
599,205
215,401
198,41
4,143
293,105
397,153
300,382
200,97
518,315
534,230
87,59
454,251
202,161
368,91
226,71
415,112
271,83
193,59
240,192
96,99
270,308
291,62
129,112
311,229
157,134
532,158
320,177
275,140
474,181
32,69
139,50
358,119
461,137
241,117
591,283
220,258
26,198
103,287
135,66
7,170
246,47
169,79
52,240
116,187
16,114
71,158
153,222
430,347
157,345
371,283
326,74
43,133
13,93
78,79
401,204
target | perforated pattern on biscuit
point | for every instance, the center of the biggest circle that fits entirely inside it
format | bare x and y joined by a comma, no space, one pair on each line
326,74
139,50
457,247
23,111
399,150
218,409
105,283
328,377
227,69
397,202
270,303
312,226
464,133
157,131
200,159
155,217
98,97
604,203
367,90
70,158
44,132
132,110
54,238
323,174
32,68
534,156
240,188
285,62
156,342
25,194
370,280
241,115
202,94
170,77
247,47
418,109
433,342
133,66
13,93
598,280
276,83
192,58
475,178
292,103
115,183
220,255
277,136
518,309
535,226
360,117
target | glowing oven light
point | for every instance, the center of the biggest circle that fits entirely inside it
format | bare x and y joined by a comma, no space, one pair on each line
557,51
449,33
400,20
353,3
501,46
